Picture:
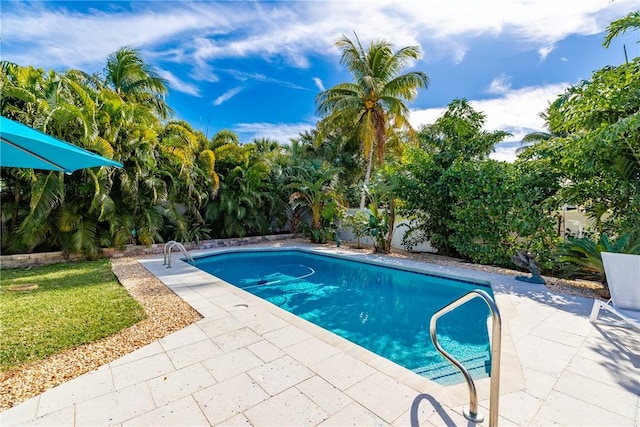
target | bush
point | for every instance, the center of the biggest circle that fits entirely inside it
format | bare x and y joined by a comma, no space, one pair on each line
481,210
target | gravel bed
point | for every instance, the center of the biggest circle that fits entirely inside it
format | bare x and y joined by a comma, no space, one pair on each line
167,313
582,288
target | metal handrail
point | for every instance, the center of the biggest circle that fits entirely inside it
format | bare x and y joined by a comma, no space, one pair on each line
167,252
166,245
472,413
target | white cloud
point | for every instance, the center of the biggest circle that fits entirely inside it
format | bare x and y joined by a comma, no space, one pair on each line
319,84
545,51
178,84
202,32
505,152
203,72
425,116
516,111
47,34
227,95
281,132
58,37
244,76
499,85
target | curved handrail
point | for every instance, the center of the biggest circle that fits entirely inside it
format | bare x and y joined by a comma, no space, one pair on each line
496,331
167,253
164,253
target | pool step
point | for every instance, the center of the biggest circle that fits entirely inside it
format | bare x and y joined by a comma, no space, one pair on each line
446,374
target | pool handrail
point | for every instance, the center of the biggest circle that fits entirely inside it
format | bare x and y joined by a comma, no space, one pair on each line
472,413
167,252
164,251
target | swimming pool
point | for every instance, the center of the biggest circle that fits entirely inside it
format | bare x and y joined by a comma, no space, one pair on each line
385,309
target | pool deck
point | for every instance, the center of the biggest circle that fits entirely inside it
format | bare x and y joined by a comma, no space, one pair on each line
248,362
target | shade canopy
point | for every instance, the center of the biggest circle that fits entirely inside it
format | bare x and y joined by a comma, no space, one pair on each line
25,147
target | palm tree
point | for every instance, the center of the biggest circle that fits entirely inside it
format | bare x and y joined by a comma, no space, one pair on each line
138,189
267,148
315,193
23,93
620,26
375,99
238,211
133,80
540,137
188,168
63,211
23,98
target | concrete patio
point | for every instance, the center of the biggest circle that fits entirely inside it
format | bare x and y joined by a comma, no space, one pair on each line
248,362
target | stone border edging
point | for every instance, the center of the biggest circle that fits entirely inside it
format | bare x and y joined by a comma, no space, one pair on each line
44,258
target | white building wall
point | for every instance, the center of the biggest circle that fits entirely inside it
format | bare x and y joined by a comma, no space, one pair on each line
347,235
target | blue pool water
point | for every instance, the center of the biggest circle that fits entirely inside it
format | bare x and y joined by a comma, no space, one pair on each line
384,309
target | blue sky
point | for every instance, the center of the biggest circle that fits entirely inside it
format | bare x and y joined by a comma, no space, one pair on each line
255,67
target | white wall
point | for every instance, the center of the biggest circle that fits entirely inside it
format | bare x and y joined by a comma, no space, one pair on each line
398,234
346,235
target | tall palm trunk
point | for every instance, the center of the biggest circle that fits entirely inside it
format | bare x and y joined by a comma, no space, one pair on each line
367,177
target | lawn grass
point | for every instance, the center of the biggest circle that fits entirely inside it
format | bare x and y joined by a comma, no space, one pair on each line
75,303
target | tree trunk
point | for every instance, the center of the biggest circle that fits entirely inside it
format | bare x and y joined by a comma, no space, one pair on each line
367,176
391,215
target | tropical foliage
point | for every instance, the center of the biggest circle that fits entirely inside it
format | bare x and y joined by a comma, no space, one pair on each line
581,257
598,147
357,223
383,193
168,176
315,196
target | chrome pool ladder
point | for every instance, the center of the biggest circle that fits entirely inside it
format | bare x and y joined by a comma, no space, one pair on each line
167,253
472,413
